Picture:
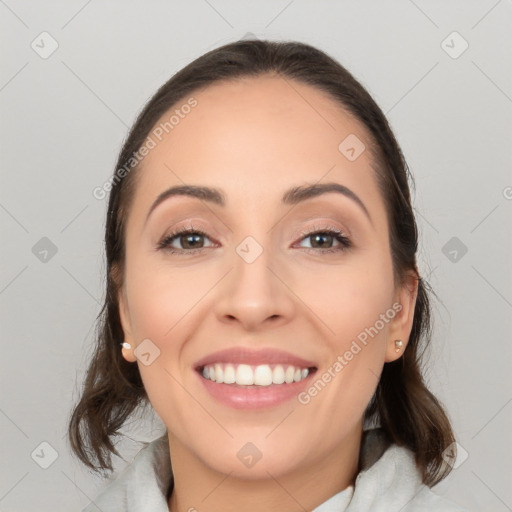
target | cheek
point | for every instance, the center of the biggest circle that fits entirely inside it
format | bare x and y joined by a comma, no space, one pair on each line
159,303
166,307
354,305
160,300
357,307
348,298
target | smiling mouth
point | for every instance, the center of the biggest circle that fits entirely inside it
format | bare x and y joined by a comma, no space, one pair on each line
245,375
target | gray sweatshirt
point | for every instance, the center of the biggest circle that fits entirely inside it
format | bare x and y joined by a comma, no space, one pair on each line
388,481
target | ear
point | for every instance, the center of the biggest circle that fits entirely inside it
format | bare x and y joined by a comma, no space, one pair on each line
124,317
401,325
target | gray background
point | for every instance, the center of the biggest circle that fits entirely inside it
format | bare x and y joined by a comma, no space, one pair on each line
64,117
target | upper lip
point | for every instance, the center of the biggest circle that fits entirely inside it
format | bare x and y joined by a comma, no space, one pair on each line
244,355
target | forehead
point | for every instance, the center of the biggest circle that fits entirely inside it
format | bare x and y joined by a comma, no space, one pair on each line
255,137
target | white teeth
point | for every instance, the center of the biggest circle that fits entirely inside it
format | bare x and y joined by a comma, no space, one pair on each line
244,375
261,375
278,375
219,373
288,376
229,374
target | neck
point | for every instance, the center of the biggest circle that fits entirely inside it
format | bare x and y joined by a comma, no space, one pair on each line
198,487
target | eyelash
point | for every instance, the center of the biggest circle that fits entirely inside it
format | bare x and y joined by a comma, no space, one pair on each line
345,243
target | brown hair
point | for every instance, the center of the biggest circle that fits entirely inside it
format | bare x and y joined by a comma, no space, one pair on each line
408,412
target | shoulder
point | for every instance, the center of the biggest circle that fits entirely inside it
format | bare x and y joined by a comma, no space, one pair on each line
390,480
142,485
427,499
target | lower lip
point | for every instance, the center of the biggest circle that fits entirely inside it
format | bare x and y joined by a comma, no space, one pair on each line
254,397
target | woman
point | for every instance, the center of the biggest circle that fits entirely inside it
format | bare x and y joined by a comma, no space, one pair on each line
263,296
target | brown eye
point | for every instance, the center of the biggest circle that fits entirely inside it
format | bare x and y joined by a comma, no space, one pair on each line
322,240
189,239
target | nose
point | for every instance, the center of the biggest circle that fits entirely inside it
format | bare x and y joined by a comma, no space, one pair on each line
255,293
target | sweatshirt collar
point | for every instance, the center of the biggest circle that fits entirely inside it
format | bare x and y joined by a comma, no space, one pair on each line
385,470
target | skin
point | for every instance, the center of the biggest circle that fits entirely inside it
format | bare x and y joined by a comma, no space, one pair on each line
255,138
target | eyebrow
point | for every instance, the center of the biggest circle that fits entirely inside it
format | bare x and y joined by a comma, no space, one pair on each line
293,196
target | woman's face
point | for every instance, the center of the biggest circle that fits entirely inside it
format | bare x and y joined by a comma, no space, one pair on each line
257,283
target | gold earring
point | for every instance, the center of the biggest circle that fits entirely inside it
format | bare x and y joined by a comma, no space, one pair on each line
398,345
125,345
